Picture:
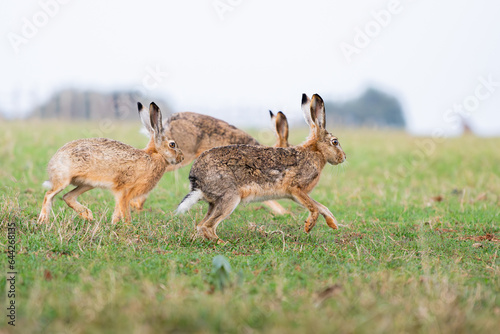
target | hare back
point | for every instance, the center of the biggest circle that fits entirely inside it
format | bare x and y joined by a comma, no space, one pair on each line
104,163
196,133
255,172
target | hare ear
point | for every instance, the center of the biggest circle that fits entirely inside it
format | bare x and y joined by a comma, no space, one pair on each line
306,109
156,121
145,119
318,111
282,127
273,118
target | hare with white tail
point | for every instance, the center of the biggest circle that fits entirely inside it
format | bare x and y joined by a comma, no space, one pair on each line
104,163
226,176
195,133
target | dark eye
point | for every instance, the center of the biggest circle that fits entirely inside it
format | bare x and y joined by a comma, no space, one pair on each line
335,142
171,144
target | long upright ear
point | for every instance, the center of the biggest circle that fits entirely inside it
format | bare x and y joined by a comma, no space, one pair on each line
318,111
156,122
145,119
282,128
306,109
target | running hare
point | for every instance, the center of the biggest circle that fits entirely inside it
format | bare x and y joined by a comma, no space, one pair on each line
104,163
226,176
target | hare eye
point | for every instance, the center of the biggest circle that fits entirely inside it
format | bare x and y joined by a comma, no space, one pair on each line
171,144
335,142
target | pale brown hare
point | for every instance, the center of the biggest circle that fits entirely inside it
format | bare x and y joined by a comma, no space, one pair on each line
105,163
226,176
196,133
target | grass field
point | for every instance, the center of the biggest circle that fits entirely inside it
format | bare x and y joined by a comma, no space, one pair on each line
419,253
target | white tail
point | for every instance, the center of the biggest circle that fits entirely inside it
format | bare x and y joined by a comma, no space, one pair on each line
47,185
189,201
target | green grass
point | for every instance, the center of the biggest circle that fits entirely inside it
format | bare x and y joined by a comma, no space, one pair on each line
405,262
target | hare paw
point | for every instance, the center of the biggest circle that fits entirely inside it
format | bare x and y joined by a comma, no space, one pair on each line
332,222
43,218
87,215
309,226
207,233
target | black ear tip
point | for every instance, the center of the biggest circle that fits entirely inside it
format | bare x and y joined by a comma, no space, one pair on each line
139,106
153,106
317,97
304,98
271,114
281,114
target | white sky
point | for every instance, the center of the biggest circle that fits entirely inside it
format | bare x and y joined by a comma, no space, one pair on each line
260,55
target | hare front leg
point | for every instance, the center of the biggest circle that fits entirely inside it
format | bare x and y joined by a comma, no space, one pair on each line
303,198
330,219
138,202
71,199
122,207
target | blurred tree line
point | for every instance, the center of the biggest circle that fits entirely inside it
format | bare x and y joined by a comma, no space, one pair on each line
372,108
91,105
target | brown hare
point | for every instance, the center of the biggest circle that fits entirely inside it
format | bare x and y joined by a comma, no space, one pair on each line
226,176
195,133
104,163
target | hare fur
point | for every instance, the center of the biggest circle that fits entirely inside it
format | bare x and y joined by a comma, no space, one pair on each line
104,163
226,176
196,133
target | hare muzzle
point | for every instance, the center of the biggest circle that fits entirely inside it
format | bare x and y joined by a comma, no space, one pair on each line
179,157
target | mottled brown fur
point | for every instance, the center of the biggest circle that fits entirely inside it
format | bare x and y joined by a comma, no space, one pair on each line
196,133
105,163
224,176
275,169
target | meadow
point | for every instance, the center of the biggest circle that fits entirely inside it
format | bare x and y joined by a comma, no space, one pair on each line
419,253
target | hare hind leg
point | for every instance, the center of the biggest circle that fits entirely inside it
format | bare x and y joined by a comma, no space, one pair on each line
222,208
71,199
57,187
276,207
199,228
208,214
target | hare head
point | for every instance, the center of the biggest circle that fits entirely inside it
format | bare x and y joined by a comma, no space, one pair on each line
152,121
326,143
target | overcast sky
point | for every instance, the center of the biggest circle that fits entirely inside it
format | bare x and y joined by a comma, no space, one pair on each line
215,56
